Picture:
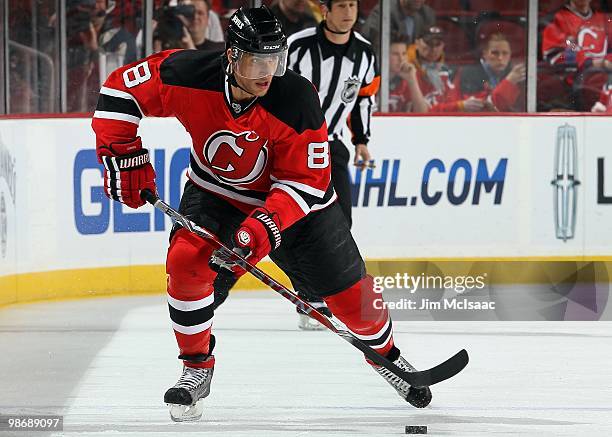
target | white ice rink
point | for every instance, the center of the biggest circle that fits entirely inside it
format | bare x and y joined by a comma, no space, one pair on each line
106,363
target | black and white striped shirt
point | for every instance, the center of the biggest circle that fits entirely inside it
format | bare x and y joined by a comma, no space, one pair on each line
345,76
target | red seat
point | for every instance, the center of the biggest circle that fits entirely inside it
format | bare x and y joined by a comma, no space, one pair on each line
515,32
365,6
548,6
554,93
501,6
458,46
446,7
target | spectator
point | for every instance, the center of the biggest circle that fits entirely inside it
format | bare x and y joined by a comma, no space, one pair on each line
294,15
81,51
493,84
117,46
435,77
578,37
21,94
170,31
198,27
214,31
605,100
409,18
404,92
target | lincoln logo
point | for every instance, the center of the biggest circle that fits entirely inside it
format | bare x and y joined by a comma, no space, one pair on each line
236,158
565,182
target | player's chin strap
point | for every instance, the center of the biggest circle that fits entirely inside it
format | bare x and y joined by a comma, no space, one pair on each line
227,69
333,31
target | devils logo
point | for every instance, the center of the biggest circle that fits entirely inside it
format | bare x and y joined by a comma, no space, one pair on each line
236,158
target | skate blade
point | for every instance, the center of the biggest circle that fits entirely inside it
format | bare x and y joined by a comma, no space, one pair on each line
312,328
186,413
305,323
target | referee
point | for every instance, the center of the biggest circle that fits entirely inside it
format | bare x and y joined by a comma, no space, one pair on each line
342,66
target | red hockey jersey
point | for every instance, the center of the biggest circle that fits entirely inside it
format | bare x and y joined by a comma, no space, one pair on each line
271,152
605,99
574,38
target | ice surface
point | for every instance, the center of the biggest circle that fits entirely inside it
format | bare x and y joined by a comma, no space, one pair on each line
106,363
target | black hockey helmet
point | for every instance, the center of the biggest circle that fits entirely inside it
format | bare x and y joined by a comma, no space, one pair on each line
257,42
256,30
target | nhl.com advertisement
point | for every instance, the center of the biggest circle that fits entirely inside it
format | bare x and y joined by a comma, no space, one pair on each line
483,202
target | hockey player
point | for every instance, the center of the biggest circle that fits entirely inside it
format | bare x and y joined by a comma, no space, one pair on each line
259,179
341,65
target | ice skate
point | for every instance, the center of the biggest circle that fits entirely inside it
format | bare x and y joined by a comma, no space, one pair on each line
186,398
307,323
417,397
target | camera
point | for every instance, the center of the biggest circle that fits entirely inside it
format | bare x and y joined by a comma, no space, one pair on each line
169,12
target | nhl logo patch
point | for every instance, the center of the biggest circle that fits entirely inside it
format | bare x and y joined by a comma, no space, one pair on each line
350,90
236,107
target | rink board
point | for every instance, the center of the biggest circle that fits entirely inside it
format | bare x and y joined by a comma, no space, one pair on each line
465,188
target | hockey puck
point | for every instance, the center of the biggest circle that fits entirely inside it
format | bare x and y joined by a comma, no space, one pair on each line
416,429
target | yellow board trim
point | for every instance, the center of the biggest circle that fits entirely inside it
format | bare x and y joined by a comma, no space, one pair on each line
151,279
103,281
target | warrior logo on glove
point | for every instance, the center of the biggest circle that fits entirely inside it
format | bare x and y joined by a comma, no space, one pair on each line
127,171
236,158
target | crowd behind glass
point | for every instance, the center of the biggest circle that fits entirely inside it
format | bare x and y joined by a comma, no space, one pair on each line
443,55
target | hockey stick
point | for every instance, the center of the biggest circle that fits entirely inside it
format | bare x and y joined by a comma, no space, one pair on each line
423,378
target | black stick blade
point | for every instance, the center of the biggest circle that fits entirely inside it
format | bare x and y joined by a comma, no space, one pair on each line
439,373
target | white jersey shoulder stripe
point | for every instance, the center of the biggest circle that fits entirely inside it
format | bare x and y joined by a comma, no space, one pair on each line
116,93
120,94
117,116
